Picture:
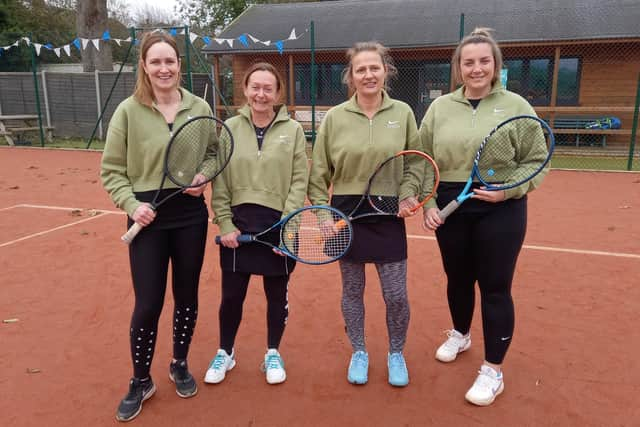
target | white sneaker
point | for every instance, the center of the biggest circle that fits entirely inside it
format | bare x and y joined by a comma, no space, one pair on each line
487,386
455,343
219,366
274,367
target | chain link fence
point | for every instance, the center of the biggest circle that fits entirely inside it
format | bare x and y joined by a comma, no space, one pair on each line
587,88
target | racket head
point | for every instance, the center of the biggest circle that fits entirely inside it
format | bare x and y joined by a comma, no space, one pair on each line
316,235
406,172
203,145
499,161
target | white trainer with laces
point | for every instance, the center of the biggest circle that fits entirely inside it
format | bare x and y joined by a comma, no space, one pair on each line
219,366
487,386
455,343
274,367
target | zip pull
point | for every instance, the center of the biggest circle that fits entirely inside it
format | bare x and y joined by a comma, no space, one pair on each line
370,131
473,118
259,153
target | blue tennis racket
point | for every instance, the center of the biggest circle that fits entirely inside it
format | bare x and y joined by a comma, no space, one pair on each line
308,235
513,153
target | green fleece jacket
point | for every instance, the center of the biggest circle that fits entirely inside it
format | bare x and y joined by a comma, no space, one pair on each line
452,130
136,143
274,176
349,146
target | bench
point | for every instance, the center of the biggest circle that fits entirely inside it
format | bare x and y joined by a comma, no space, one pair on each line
578,127
13,126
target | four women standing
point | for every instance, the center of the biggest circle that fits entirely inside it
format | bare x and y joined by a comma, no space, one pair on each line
266,179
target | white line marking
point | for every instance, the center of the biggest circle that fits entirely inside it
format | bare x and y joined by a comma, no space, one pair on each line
553,249
410,236
48,231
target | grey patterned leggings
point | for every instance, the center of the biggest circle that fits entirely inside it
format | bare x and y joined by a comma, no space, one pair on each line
393,280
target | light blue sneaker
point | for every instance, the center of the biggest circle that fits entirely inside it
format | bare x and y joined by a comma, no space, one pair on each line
398,374
358,368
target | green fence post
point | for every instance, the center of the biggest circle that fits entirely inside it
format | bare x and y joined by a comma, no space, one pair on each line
632,142
461,26
34,69
106,102
187,58
313,84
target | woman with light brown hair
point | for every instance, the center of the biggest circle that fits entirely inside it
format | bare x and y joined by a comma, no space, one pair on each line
132,168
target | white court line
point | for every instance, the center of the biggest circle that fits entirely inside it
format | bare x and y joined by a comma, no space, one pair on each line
410,236
48,231
553,249
61,208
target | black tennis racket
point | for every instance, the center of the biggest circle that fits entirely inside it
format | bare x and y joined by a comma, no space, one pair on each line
200,148
513,153
305,235
406,173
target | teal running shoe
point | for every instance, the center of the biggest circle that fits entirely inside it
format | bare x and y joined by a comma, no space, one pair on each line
398,374
358,368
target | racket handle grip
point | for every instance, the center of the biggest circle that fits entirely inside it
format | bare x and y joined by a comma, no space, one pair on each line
131,233
448,210
244,238
217,240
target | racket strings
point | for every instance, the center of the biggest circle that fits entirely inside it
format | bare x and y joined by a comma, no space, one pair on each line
499,162
312,236
200,146
407,174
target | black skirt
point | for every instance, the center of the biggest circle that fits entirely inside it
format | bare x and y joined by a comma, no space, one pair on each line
376,239
256,258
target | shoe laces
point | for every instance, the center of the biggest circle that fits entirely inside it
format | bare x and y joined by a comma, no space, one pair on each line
218,361
273,361
360,357
396,360
180,370
486,380
454,342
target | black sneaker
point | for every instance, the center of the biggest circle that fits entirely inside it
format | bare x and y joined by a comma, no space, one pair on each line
179,374
131,405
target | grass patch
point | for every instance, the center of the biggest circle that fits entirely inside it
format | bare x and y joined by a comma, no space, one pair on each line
593,162
70,143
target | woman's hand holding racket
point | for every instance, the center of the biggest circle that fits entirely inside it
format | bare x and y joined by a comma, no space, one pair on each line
512,154
197,152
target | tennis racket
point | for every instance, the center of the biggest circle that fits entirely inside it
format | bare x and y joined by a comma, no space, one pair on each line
200,147
406,172
498,165
305,236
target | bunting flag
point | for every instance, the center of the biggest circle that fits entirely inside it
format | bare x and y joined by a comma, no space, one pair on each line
243,40
280,46
81,43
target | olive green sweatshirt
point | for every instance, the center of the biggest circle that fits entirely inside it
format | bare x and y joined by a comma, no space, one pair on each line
274,176
136,143
349,146
452,130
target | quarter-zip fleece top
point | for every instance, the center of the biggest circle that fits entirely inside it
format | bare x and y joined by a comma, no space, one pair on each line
135,147
274,176
349,146
452,131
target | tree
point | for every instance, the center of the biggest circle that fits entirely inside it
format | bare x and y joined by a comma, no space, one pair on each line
213,15
91,22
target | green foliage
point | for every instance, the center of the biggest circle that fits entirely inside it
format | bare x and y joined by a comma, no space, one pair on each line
213,15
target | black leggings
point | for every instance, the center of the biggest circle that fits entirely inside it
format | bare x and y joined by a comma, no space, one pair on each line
149,256
484,246
234,291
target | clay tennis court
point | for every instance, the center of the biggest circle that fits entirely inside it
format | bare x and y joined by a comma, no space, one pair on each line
66,294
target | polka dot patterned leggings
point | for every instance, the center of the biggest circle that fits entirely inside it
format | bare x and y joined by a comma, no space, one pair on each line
149,256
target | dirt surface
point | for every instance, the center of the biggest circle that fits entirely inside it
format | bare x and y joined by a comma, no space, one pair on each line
65,290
